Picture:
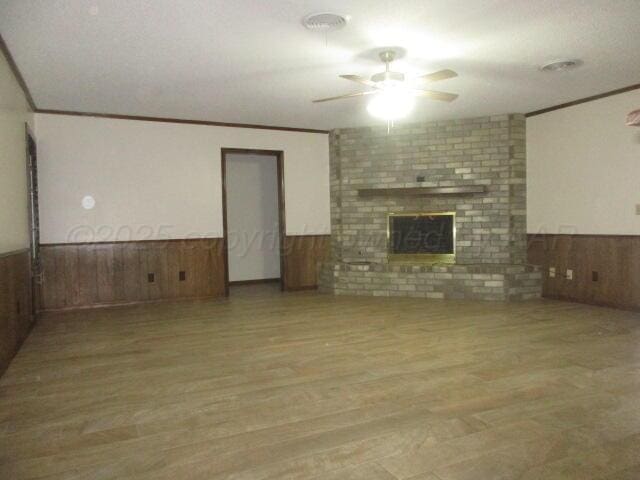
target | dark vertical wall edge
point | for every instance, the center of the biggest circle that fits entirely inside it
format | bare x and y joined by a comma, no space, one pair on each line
15,304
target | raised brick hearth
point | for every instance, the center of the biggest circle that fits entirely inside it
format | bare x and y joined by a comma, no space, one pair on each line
477,282
490,225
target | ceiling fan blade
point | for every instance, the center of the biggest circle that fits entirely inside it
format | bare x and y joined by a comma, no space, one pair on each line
359,79
439,75
433,95
349,95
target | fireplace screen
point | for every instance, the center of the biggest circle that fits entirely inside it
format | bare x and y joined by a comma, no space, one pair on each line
423,237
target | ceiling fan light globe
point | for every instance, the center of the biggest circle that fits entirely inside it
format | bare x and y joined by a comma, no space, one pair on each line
393,104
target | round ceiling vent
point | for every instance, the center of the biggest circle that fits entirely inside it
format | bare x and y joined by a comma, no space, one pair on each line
325,22
561,65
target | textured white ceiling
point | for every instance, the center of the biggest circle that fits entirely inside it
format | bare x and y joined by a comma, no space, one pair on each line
251,61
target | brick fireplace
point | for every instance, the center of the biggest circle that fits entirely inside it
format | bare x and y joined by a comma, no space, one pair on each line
474,169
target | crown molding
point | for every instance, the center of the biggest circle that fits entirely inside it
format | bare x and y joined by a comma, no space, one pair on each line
583,100
178,120
32,105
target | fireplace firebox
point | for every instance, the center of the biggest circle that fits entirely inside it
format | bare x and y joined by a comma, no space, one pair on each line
422,237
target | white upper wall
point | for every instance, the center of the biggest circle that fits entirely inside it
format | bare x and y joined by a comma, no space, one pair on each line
154,180
583,169
14,112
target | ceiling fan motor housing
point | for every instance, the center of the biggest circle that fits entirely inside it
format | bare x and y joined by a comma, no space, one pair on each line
392,84
388,77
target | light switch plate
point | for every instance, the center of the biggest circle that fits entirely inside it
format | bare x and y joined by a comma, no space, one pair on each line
569,274
552,272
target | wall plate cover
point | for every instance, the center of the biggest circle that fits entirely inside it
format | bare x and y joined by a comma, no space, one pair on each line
88,202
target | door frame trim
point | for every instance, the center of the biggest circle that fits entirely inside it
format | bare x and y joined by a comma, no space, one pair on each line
34,246
279,155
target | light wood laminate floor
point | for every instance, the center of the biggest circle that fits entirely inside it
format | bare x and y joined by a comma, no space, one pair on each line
307,386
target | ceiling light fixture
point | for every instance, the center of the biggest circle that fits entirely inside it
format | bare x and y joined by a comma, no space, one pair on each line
325,21
561,65
392,103
393,97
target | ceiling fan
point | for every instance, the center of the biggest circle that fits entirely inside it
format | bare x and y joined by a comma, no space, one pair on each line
394,95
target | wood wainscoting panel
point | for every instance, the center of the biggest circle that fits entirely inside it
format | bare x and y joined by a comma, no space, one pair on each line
303,254
15,303
606,268
114,273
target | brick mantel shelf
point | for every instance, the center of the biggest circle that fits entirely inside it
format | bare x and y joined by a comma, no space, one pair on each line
421,191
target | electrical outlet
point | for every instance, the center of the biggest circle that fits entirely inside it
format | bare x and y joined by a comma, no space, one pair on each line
151,278
182,276
569,275
552,272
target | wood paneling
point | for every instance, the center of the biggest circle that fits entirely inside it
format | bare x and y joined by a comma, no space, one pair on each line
92,274
615,259
96,274
303,253
15,304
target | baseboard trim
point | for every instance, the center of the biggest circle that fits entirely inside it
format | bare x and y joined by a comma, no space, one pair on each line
302,288
14,252
254,282
129,304
535,236
593,303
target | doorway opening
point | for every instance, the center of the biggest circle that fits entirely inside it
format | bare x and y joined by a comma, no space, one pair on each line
253,218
